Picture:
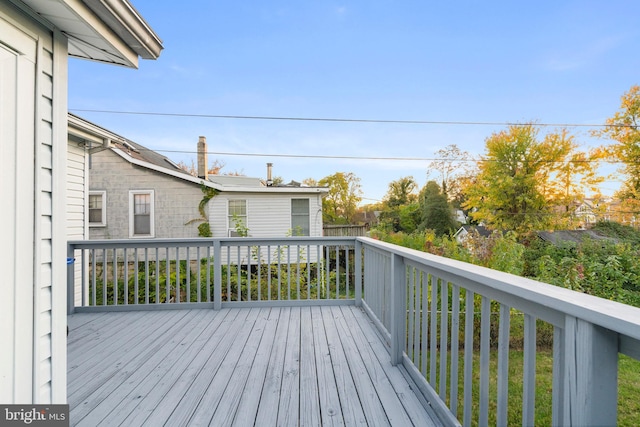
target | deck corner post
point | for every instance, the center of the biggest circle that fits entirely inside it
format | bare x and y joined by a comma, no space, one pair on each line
71,279
590,374
358,273
217,275
398,308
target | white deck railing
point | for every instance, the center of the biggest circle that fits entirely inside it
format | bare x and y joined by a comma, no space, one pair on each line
445,321
182,273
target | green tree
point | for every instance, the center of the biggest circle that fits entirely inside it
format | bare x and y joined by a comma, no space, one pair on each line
452,165
401,192
437,214
522,180
340,204
624,129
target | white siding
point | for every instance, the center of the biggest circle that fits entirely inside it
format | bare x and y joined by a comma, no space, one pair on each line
33,362
76,198
268,215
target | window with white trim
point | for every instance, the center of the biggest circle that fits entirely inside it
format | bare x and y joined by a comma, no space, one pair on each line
237,217
300,217
97,208
141,218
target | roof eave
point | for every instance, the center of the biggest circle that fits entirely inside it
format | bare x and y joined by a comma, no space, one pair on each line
129,25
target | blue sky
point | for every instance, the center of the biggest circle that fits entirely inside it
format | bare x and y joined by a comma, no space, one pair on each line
466,61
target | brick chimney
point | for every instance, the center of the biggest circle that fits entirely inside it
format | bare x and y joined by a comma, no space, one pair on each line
203,169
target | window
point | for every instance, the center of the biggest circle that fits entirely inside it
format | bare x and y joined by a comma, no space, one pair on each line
300,217
97,208
141,213
237,217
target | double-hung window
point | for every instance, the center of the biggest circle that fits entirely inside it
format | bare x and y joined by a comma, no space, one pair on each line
97,208
237,218
300,217
141,218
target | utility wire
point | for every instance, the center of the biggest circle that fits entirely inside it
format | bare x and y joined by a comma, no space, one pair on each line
343,120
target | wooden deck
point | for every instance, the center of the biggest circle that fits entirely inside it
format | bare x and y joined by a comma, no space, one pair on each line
306,366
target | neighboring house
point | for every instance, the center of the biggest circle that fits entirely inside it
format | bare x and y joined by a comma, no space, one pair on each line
465,230
135,192
36,39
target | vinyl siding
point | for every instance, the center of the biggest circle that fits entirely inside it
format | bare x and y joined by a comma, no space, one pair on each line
76,193
268,215
32,367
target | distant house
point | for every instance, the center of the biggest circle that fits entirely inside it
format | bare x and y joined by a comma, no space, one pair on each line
465,230
36,39
135,192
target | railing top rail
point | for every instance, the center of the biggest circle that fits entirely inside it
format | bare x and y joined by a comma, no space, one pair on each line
622,318
207,241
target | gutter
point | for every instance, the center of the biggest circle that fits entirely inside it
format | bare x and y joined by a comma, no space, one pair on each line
129,25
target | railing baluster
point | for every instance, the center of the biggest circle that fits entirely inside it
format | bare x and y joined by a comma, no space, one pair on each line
409,317
115,276
424,342
167,284
433,350
468,357
146,276
269,272
455,330
188,273
94,275
503,365
485,327
157,272
444,335
529,375
417,312
126,276
308,271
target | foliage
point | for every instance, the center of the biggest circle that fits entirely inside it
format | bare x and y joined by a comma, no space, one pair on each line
401,192
204,229
453,164
623,128
521,179
436,213
341,202
618,231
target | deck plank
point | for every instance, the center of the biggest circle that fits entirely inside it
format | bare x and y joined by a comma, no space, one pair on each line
250,400
149,390
352,411
270,400
102,402
330,410
309,393
237,366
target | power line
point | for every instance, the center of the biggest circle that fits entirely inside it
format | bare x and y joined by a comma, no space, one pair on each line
345,120
338,157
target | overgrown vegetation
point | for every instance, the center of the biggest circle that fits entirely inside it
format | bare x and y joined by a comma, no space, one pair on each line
605,268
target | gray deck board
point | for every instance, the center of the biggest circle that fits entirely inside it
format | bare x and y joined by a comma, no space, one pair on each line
251,366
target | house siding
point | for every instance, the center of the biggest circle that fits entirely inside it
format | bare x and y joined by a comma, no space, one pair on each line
77,187
33,362
175,201
267,215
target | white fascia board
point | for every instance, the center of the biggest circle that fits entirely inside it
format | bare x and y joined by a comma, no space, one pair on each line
125,21
91,132
183,176
100,37
279,190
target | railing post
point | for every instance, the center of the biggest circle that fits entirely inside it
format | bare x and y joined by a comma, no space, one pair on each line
71,279
358,266
217,275
398,308
590,374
